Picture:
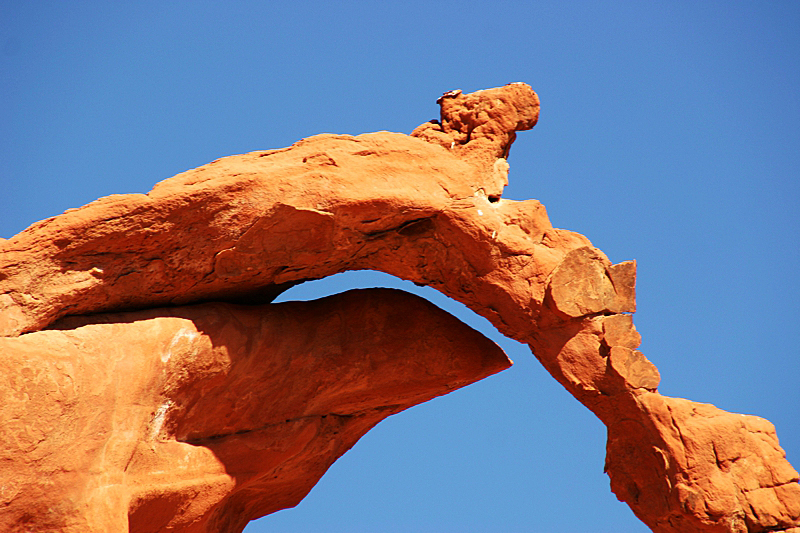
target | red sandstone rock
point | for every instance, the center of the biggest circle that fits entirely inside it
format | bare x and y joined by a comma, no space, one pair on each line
201,418
426,208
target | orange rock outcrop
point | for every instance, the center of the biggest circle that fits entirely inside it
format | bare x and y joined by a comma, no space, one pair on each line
139,419
200,418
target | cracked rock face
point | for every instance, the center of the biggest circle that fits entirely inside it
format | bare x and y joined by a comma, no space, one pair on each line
139,416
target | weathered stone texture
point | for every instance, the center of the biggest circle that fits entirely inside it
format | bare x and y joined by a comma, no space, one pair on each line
426,208
201,418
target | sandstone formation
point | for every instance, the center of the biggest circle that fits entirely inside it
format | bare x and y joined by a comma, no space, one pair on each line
427,208
200,418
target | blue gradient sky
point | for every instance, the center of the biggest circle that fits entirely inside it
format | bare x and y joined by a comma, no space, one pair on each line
669,134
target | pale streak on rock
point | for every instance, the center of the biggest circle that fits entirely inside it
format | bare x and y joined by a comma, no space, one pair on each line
426,208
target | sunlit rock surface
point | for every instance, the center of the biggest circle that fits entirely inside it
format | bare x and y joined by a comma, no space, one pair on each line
202,417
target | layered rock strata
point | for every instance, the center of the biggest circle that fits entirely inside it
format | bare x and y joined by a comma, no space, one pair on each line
427,208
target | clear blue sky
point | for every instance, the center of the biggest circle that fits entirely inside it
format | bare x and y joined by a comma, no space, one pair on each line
669,133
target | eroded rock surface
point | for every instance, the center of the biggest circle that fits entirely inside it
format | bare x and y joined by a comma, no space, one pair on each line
201,418
426,208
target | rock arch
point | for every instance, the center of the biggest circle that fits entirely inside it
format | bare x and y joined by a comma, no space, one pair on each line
425,207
